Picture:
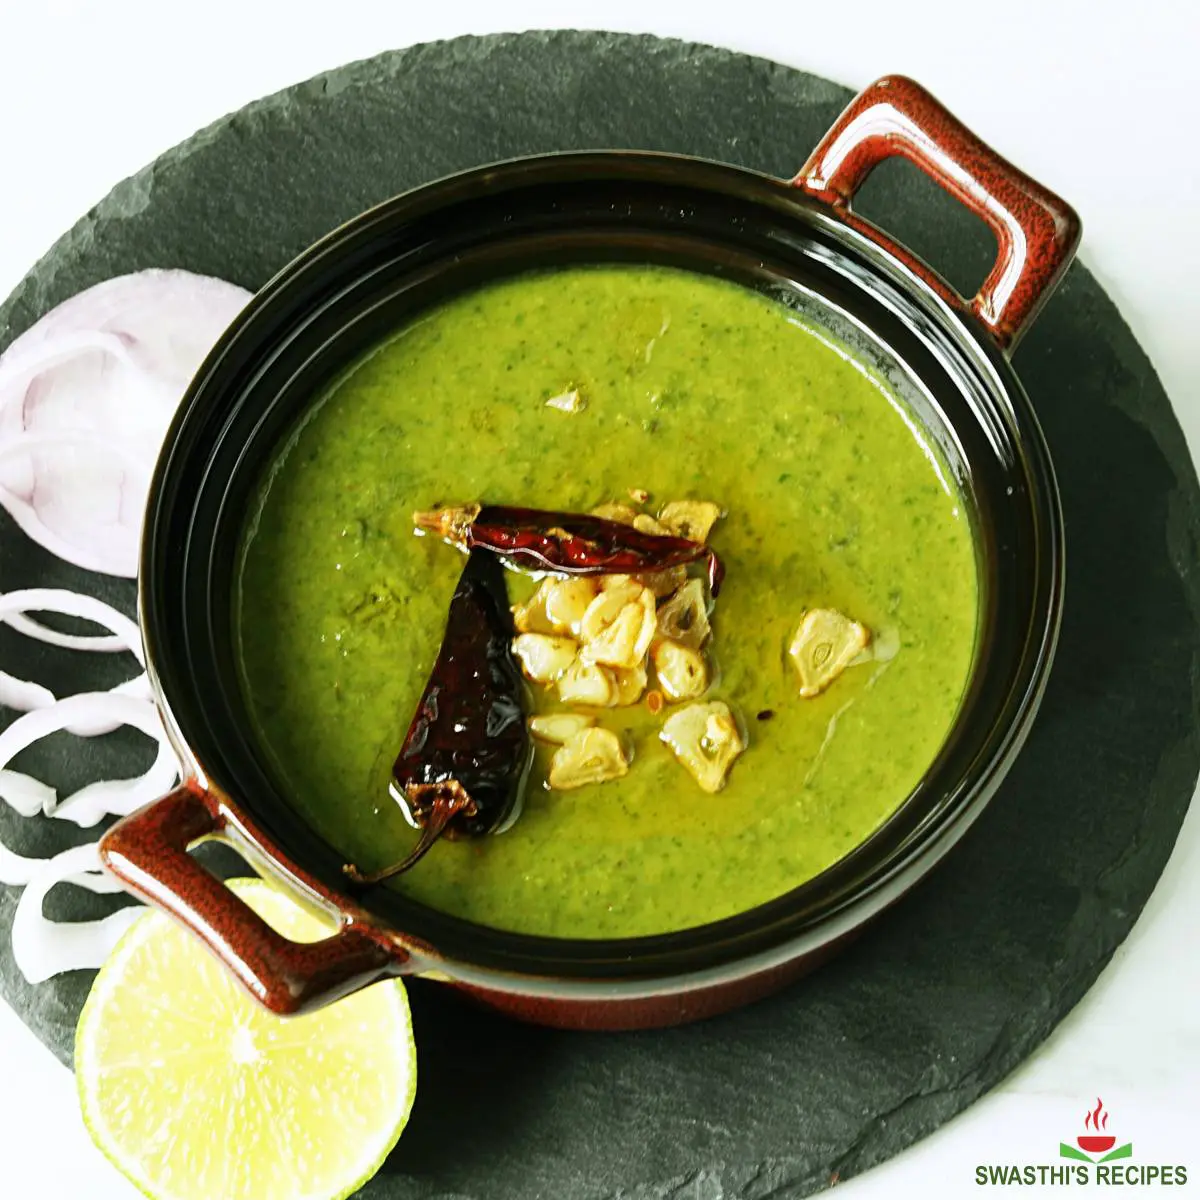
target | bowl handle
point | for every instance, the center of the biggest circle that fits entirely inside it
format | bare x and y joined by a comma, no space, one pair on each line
148,852
1036,231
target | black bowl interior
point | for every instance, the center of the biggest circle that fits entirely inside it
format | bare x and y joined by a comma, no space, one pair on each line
371,276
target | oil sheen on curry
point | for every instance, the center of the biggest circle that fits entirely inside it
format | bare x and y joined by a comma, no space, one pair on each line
679,755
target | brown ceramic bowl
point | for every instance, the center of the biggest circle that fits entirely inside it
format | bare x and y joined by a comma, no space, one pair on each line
798,237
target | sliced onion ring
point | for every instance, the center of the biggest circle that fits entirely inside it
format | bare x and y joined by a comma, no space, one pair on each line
24,794
23,695
86,394
94,555
43,948
124,633
87,806
21,364
15,869
96,643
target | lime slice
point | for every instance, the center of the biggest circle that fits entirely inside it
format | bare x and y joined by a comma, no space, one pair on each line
195,1093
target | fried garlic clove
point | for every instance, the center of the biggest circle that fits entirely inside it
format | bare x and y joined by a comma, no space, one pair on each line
616,591
644,523
663,583
568,402
621,513
590,756
684,618
691,519
589,685
706,741
626,640
620,583
645,638
531,617
544,658
628,683
682,671
567,600
559,728
825,644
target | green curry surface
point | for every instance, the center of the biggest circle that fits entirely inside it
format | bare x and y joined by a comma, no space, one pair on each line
695,388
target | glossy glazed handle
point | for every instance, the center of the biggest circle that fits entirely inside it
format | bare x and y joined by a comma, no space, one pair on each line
148,852
1036,231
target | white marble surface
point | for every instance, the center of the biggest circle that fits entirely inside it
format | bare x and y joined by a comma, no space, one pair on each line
1067,88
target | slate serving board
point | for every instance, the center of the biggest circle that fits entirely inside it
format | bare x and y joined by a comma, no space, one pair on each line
966,977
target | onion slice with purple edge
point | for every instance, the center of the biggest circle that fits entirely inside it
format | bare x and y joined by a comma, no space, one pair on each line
86,395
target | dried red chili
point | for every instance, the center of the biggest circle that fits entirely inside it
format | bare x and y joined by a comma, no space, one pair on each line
463,763
572,543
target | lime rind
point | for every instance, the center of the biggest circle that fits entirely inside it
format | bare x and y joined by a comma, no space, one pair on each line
192,1091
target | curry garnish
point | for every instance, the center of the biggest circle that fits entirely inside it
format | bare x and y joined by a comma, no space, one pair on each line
461,768
570,543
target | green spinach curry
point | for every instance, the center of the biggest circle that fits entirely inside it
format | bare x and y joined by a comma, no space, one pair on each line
686,388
